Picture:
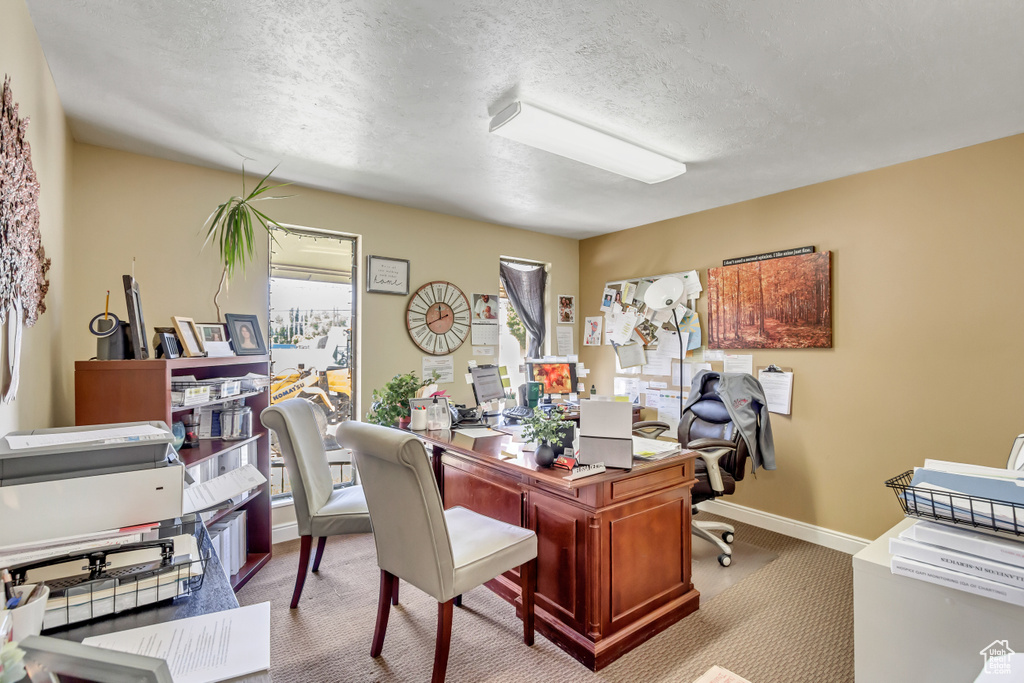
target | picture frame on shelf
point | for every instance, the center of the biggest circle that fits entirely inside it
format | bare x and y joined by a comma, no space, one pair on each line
136,323
245,335
212,332
386,275
188,335
215,339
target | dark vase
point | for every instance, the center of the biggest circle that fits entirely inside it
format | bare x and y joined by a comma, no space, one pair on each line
544,455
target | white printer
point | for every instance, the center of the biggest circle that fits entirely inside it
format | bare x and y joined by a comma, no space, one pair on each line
67,481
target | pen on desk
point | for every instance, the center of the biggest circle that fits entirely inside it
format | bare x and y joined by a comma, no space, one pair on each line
106,310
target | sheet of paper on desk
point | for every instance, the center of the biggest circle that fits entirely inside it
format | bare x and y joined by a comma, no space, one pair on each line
219,489
111,435
204,649
478,432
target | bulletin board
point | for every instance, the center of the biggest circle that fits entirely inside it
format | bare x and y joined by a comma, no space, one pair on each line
656,383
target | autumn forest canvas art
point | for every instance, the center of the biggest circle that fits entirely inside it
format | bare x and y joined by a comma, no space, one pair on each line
782,303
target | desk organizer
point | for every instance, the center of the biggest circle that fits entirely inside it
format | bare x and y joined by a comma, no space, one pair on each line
101,591
983,514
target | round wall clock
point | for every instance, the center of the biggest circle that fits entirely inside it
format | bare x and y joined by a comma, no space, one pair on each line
438,317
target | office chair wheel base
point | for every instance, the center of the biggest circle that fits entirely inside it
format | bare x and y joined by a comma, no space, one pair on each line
725,559
728,537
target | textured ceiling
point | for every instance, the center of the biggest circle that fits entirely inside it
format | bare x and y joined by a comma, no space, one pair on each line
391,100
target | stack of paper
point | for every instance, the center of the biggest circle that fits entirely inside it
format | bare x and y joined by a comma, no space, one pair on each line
962,559
653,449
982,496
959,556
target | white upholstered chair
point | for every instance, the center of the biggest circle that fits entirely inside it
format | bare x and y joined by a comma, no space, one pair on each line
444,553
320,509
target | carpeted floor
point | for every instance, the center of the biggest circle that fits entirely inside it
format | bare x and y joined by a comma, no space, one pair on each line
785,620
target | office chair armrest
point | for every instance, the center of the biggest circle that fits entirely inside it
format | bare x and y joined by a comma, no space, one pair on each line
650,429
710,456
698,444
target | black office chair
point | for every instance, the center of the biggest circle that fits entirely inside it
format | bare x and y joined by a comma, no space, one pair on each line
707,428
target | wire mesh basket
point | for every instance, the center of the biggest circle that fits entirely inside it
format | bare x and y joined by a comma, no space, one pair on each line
93,583
984,514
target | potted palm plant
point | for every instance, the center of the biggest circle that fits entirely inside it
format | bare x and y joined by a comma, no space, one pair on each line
231,225
543,428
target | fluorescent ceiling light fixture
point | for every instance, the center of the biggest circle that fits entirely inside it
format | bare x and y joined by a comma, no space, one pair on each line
541,129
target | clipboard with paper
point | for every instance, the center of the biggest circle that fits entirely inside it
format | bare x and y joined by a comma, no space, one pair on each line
778,388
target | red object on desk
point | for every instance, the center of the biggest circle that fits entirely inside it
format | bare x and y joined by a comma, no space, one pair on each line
565,462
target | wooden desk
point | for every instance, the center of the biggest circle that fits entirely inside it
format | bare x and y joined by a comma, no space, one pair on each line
613,562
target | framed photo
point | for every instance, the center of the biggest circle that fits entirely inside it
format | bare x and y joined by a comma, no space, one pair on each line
132,297
188,335
566,308
387,275
430,399
212,332
246,338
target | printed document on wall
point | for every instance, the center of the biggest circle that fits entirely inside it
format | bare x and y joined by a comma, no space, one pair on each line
778,390
563,335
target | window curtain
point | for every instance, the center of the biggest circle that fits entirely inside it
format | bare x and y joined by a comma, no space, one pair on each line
525,288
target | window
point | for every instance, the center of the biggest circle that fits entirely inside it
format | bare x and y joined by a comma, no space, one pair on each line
312,333
529,279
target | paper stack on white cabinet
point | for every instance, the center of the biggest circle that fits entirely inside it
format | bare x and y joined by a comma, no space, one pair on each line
960,558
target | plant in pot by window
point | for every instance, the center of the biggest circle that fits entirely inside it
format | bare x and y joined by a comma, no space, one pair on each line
231,225
391,402
543,428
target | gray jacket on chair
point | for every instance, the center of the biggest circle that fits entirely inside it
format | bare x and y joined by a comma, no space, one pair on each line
740,392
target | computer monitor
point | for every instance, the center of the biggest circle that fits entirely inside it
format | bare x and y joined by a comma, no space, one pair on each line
487,384
555,377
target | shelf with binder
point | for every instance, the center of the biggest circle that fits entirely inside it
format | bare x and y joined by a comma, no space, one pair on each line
134,390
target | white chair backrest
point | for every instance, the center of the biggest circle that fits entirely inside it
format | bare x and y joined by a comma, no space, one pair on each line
409,527
303,450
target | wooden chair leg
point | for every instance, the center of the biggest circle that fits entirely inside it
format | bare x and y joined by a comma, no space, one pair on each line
387,585
305,542
444,641
394,592
321,542
528,578
457,600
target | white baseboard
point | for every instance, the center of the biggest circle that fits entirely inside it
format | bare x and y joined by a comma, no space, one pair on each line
836,540
285,532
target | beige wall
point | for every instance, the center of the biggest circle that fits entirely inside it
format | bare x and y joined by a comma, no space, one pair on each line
928,296
127,205
22,59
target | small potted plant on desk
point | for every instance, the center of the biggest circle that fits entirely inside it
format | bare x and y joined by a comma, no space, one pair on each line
543,428
391,403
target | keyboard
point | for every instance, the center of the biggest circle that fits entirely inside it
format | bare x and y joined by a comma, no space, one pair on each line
517,413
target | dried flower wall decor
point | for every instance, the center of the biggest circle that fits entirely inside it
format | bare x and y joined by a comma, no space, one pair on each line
23,262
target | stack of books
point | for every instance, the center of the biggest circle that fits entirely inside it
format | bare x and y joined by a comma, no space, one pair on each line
959,556
229,540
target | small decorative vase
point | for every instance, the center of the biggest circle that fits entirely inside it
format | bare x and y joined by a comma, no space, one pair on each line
544,455
403,422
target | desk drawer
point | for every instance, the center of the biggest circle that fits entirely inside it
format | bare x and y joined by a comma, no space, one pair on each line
646,483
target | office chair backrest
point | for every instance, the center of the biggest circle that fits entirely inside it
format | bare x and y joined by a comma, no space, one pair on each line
303,450
708,418
409,527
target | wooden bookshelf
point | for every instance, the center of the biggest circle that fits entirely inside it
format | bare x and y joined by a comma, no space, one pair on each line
135,390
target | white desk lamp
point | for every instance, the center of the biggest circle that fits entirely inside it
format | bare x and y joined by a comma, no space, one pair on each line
663,294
